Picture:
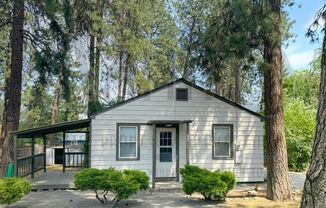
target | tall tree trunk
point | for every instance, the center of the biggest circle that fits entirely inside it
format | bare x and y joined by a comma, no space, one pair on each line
55,110
186,69
97,69
125,78
314,194
6,96
219,88
120,76
237,84
91,75
10,121
278,182
100,7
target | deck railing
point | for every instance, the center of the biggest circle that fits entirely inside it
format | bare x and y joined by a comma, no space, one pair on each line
76,160
30,164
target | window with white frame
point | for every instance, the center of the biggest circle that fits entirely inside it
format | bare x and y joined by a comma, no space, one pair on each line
222,141
128,142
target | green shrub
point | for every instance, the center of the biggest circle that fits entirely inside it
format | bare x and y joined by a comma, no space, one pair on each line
138,177
122,184
91,179
13,189
212,185
228,178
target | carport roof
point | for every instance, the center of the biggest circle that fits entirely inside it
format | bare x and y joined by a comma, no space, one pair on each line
54,128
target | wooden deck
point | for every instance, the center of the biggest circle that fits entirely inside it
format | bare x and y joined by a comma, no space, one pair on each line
53,180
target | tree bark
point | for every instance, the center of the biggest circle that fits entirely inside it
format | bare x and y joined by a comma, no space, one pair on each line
125,78
6,96
55,110
219,88
91,75
278,182
314,194
237,84
10,121
120,76
97,69
100,7
186,69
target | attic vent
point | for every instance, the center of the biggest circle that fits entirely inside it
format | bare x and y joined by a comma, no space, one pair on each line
181,94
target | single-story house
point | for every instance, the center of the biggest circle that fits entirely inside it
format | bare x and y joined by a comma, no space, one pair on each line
176,124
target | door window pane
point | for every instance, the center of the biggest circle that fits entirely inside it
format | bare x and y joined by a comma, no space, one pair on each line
165,138
165,154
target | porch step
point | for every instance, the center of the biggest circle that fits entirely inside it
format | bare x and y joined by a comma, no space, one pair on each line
168,187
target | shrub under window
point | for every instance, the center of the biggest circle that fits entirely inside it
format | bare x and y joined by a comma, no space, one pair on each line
212,185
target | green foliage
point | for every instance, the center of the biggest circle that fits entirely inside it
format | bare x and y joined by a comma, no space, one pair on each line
301,97
122,184
303,85
299,130
138,177
13,189
212,185
91,179
95,107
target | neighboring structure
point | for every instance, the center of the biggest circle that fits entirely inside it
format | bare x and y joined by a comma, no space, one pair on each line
74,142
164,129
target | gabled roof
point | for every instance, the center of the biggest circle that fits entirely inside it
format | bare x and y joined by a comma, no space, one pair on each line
181,80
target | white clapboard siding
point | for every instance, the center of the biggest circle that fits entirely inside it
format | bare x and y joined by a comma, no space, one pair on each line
203,110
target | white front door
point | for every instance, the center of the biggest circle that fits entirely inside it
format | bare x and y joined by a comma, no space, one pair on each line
165,152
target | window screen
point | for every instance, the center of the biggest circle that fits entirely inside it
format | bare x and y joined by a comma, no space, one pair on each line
182,94
128,141
222,141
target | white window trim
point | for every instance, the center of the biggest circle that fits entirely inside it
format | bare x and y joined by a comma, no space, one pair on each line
229,142
119,155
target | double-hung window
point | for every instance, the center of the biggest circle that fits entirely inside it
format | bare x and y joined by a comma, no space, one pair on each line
222,141
128,142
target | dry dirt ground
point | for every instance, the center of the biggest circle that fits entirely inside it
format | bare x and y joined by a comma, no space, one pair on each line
86,199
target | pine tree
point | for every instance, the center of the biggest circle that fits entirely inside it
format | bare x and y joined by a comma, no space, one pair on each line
278,182
314,187
13,87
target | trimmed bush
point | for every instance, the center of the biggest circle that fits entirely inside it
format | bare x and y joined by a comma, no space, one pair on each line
13,189
138,177
212,185
91,179
122,184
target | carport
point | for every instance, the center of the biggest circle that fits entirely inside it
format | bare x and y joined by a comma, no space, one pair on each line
36,160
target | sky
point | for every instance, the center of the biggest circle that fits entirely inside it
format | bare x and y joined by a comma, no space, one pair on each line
300,53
